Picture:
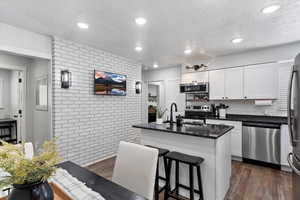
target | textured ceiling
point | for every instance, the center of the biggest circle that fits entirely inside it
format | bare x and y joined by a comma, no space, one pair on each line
173,25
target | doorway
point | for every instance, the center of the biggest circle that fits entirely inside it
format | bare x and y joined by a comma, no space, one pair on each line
155,99
24,99
12,104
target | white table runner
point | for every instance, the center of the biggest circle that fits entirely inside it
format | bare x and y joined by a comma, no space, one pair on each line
76,189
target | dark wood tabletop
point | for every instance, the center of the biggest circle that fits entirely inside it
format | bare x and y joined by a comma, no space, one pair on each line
108,189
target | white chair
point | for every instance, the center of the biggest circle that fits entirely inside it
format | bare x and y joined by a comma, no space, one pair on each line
135,168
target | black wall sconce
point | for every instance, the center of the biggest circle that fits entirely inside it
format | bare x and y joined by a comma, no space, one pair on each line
138,87
65,79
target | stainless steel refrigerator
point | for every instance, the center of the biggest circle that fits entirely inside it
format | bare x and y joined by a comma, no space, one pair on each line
294,125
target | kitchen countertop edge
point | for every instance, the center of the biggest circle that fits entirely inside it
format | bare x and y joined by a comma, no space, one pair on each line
223,132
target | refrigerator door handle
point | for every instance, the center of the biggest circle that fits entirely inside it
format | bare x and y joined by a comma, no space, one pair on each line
289,159
289,106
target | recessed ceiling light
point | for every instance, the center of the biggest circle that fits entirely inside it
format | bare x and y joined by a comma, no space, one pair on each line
140,21
155,65
237,40
270,9
138,48
188,51
82,25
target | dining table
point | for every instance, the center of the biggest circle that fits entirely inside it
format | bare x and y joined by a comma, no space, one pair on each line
106,188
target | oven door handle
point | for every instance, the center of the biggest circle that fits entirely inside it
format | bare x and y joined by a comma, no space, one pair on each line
289,159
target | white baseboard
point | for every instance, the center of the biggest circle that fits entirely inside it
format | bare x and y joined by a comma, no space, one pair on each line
105,158
237,158
286,168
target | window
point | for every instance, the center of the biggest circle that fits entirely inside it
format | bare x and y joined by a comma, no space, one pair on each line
41,93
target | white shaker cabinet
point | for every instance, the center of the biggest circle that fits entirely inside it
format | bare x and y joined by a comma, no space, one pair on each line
234,83
236,136
194,77
261,81
216,85
226,84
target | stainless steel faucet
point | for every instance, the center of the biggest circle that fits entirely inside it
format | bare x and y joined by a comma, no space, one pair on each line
171,112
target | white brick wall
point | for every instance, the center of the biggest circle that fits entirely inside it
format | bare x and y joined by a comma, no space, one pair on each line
89,127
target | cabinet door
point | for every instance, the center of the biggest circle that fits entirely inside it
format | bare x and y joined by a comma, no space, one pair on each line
234,83
216,85
261,81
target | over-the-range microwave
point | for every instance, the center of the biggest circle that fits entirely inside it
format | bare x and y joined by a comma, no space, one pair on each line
194,88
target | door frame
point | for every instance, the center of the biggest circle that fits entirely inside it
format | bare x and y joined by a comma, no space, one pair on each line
146,96
23,69
50,100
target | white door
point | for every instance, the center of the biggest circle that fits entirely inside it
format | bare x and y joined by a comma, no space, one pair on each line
261,81
234,83
17,102
216,85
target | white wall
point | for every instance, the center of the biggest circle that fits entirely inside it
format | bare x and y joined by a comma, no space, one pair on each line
12,60
89,127
162,74
23,42
169,79
284,52
5,110
37,120
277,53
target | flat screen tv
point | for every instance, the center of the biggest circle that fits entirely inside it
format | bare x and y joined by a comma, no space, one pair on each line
107,83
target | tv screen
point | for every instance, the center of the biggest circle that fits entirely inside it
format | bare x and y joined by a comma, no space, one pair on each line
107,83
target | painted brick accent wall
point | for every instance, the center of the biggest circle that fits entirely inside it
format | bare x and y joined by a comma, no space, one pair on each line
89,127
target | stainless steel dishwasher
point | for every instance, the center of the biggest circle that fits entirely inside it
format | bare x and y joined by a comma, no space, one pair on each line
261,142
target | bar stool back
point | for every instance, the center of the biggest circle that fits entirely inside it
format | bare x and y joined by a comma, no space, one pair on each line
161,154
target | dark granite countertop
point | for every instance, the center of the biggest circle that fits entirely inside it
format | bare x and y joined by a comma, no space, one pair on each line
249,118
211,131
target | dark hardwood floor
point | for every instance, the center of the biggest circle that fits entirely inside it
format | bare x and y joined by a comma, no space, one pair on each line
249,182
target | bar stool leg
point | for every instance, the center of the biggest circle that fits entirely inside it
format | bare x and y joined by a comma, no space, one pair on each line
168,177
156,189
191,182
177,178
200,183
165,166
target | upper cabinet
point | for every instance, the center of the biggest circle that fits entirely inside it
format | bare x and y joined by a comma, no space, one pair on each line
234,82
194,77
216,84
252,82
261,81
226,84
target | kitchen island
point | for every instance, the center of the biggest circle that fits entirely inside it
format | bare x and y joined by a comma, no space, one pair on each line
209,141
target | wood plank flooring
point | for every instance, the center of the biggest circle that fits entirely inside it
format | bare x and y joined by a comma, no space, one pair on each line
249,182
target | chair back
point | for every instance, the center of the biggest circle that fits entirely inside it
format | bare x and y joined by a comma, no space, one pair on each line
135,168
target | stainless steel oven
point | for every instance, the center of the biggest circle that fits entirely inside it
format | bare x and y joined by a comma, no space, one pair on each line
194,88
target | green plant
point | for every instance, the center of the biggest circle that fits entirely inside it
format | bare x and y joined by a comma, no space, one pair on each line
19,170
160,112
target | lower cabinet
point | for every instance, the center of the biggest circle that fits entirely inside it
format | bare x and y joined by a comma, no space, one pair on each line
236,136
286,146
